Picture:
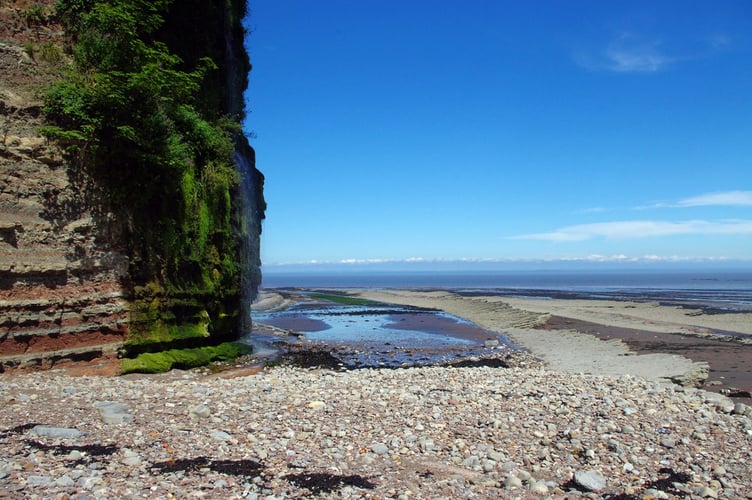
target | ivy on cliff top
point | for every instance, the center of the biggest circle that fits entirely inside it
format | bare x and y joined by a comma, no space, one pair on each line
128,115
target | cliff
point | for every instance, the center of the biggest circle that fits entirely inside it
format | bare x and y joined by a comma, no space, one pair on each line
120,235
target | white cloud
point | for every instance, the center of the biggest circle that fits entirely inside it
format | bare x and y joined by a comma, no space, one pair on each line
498,262
641,229
720,198
628,54
727,198
593,210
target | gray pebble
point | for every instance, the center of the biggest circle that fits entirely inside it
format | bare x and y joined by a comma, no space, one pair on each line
65,482
705,492
39,481
668,442
512,482
56,432
200,411
539,488
220,436
591,480
379,448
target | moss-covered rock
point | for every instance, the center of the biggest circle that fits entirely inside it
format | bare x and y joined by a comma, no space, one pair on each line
151,111
159,362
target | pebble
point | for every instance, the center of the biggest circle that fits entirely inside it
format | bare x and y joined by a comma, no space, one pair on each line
220,436
668,442
379,448
512,482
39,481
539,488
56,432
415,433
200,411
705,492
113,413
591,480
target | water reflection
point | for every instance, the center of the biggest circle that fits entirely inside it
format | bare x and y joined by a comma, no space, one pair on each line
382,334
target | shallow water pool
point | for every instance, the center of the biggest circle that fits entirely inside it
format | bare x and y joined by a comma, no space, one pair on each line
382,334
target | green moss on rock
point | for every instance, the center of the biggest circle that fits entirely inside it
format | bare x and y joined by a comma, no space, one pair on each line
160,362
152,117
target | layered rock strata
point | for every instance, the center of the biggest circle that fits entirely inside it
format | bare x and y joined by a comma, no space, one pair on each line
61,260
69,288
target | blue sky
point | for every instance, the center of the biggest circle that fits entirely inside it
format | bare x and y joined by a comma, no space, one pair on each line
492,130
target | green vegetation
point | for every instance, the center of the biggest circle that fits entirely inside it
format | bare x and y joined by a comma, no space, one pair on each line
343,299
35,15
159,362
143,112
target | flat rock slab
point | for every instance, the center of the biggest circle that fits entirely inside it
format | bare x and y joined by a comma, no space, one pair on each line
56,432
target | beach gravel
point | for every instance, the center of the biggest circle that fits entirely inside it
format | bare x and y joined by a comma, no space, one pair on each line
432,432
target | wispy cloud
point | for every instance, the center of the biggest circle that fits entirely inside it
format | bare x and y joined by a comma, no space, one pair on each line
593,210
727,198
632,54
720,198
718,41
626,53
494,262
641,229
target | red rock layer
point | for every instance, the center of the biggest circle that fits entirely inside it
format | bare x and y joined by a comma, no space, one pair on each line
61,258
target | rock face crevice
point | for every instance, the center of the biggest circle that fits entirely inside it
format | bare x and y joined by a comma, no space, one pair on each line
67,288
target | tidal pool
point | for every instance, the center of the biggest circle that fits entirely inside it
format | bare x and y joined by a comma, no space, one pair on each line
382,334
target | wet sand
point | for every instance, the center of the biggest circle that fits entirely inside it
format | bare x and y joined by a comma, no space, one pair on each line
730,362
657,342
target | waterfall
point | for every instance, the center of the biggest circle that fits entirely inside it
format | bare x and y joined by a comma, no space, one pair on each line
250,214
250,204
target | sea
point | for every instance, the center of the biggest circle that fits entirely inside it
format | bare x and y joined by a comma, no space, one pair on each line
712,290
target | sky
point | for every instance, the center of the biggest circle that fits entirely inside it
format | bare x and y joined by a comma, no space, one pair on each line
502,131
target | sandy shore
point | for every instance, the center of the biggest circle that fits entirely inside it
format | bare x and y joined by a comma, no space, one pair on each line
573,351
649,316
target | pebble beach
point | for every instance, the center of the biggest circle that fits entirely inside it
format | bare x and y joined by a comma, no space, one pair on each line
530,430
524,432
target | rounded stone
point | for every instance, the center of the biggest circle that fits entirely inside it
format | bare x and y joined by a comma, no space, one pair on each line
512,482
591,480
539,488
379,448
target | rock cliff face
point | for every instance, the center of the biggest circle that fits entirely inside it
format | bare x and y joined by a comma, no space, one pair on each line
70,287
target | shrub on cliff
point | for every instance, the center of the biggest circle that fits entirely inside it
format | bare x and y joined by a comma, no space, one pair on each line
129,115
132,117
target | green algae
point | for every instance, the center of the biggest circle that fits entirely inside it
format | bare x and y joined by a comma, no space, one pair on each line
160,362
